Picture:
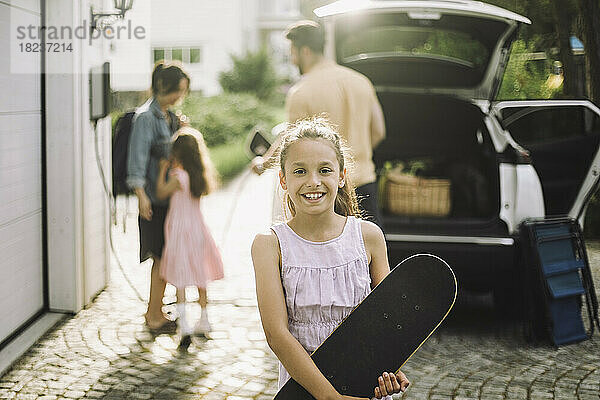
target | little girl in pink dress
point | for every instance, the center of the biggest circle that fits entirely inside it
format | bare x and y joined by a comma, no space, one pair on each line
190,255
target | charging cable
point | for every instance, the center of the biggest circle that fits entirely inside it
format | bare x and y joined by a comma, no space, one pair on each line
112,202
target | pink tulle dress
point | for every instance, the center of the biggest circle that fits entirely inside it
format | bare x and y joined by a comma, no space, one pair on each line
190,256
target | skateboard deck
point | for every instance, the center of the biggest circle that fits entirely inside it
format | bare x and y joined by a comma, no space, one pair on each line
385,329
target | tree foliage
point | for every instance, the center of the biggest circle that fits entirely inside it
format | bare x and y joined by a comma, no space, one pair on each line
555,20
589,17
525,78
251,73
229,117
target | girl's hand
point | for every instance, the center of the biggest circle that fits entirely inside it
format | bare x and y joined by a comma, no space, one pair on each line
390,383
163,164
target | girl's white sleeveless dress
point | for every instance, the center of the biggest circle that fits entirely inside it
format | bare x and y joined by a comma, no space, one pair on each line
322,281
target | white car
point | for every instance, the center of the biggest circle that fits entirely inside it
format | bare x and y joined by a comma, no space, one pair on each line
437,67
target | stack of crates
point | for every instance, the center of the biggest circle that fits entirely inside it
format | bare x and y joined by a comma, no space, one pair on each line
558,279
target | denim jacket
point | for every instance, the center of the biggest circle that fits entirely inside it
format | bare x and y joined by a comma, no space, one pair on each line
149,142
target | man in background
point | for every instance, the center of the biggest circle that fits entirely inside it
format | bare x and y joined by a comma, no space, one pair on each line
346,97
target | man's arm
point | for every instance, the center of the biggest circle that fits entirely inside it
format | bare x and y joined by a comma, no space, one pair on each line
260,163
295,110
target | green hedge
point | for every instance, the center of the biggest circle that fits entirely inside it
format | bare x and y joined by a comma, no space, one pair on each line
229,117
253,73
229,159
225,121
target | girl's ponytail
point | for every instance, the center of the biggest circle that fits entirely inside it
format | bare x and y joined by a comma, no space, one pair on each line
346,202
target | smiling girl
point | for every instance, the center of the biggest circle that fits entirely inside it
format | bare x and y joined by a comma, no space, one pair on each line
314,269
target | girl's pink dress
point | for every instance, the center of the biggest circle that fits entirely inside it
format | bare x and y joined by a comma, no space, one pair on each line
190,256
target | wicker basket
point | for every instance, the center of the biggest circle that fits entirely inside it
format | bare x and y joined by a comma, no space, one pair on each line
415,196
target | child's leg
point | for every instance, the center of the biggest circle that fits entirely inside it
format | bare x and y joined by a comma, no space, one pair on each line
203,326
180,295
202,298
184,326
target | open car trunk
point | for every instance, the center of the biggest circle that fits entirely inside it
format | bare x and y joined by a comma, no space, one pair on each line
440,137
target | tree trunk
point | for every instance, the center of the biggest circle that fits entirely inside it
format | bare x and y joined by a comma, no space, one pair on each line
563,19
590,15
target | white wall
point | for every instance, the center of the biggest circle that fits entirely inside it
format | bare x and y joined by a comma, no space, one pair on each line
130,57
96,209
77,207
219,28
216,26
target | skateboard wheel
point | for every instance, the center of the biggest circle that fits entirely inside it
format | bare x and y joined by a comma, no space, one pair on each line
417,308
385,315
404,296
399,327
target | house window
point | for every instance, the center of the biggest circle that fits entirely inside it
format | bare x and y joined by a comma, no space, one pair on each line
187,55
177,54
159,54
195,55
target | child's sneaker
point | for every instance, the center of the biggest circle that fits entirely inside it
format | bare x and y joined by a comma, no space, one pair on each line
203,325
183,324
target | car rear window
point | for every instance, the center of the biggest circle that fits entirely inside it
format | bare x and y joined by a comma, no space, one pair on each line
402,41
403,49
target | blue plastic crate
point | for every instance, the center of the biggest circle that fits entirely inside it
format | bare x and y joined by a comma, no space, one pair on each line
565,285
559,260
567,325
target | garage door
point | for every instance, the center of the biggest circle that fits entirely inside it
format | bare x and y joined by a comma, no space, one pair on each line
21,265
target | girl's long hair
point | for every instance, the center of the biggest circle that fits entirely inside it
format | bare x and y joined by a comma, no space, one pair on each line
346,202
190,150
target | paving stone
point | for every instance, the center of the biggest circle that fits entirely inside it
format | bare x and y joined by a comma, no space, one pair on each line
588,396
142,396
74,394
93,394
26,396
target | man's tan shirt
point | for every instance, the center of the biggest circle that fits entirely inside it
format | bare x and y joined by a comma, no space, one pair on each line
347,99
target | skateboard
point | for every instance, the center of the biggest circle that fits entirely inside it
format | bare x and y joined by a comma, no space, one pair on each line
385,329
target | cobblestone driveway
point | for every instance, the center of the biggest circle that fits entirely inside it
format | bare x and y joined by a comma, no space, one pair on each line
105,352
